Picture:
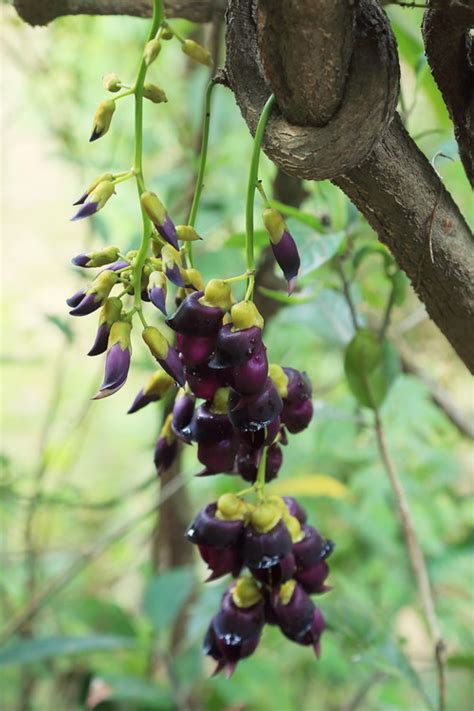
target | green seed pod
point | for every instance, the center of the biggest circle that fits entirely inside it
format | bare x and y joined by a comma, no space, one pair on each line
197,52
153,93
111,82
151,51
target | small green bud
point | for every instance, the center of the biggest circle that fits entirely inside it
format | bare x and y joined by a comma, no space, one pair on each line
102,257
101,193
244,315
231,507
197,52
151,51
186,233
111,82
170,256
102,119
274,224
120,333
110,311
153,93
194,277
103,284
153,207
218,294
280,379
156,342
166,33
246,592
265,517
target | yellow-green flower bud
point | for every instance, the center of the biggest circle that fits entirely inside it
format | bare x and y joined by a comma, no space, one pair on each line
166,33
286,591
151,51
265,517
246,592
156,342
158,384
197,52
244,315
110,311
102,119
153,207
97,259
217,293
112,83
274,224
120,333
103,284
153,93
186,233
194,278
101,193
231,507
280,379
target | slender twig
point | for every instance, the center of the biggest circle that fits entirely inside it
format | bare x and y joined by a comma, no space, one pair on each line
347,292
363,690
44,596
417,559
387,315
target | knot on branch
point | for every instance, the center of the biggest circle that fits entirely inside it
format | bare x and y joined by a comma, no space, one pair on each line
306,64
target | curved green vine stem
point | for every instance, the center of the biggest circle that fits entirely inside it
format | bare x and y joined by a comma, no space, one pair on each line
157,19
202,167
252,185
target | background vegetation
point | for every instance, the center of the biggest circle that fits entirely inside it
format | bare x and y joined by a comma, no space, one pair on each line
79,496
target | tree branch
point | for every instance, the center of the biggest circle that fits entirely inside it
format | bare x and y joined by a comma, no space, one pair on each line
41,13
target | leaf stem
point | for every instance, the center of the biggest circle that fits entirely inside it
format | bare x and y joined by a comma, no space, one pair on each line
251,187
260,481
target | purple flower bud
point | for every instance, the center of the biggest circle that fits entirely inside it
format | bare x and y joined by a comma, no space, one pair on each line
221,561
101,339
157,386
166,355
96,295
182,415
168,231
264,550
298,618
174,275
298,416
312,578
156,211
89,304
295,509
157,296
310,554
286,254
208,530
194,318
95,200
194,351
248,458
249,378
234,348
76,298
253,412
209,427
166,448
297,404
117,362
116,266
217,457
234,633
204,381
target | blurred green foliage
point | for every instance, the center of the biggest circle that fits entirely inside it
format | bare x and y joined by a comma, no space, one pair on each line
77,485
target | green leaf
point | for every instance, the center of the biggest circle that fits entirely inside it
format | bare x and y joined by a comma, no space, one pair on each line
36,650
463,660
304,217
237,240
318,250
165,595
300,298
370,367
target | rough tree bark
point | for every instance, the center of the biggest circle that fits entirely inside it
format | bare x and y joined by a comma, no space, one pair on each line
334,73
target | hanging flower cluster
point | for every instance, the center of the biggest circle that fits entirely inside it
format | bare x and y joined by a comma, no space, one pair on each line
226,397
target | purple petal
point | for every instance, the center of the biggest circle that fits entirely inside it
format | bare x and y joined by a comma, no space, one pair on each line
88,209
158,298
88,305
101,339
80,260
117,365
168,231
173,366
286,254
174,275
141,400
81,200
116,266
76,298
95,135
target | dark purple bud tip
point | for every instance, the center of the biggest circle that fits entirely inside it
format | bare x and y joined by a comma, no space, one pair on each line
234,348
221,562
252,412
82,199
80,260
117,365
212,532
249,378
165,452
142,400
157,297
95,135
182,414
87,209
101,339
286,254
195,319
194,351
168,231
88,304
174,275
173,366
76,298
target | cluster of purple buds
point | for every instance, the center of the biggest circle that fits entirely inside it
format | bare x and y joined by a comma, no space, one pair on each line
286,560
